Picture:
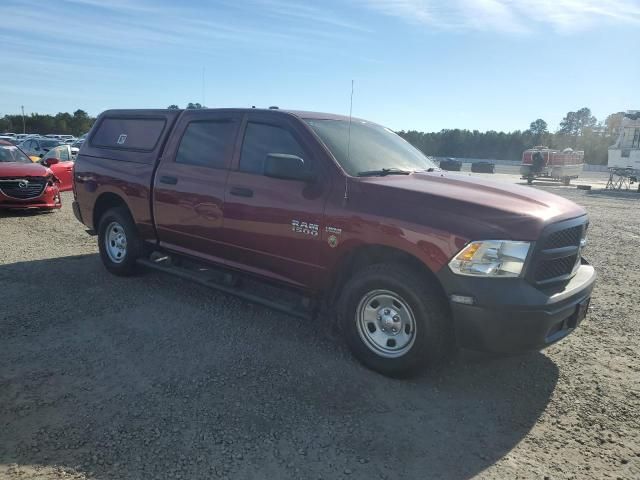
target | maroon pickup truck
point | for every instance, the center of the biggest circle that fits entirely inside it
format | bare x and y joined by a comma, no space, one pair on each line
410,260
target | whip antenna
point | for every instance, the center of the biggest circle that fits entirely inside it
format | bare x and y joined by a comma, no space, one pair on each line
346,178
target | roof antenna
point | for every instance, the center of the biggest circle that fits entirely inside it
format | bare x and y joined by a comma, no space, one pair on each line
346,178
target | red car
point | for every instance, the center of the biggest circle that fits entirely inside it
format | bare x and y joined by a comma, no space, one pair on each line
60,160
24,184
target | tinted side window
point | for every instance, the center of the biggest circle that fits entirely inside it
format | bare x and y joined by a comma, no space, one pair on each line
129,133
206,143
261,139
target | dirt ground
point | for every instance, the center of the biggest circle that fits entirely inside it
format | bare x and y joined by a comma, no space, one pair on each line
152,377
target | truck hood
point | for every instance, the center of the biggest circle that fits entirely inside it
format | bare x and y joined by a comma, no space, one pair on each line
16,169
468,206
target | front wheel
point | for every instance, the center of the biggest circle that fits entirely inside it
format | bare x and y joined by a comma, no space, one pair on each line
118,242
395,321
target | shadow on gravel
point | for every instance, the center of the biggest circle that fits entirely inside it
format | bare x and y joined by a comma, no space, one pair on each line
152,377
546,183
30,212
632,194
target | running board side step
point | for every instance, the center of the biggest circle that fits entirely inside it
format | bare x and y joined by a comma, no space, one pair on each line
227,283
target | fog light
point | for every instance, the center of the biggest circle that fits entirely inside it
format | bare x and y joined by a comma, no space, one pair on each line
462,299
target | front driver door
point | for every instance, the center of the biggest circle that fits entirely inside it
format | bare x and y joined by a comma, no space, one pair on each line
273,226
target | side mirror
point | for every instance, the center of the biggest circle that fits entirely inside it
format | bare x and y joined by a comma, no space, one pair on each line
287,167
50,161
41,155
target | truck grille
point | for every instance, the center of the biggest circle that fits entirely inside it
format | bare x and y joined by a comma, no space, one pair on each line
557,252
549,269
23,188
565,238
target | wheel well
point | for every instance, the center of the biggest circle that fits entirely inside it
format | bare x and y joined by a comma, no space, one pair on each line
362,257
105,202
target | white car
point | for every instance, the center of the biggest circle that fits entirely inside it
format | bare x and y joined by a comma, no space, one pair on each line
9,139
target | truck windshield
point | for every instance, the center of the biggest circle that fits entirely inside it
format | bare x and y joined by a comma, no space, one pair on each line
372,150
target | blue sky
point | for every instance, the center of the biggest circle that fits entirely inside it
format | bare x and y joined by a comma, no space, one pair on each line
417,64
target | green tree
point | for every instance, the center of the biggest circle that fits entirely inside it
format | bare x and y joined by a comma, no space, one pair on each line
574,122
613,123
81,122
173,107
538,127
195,106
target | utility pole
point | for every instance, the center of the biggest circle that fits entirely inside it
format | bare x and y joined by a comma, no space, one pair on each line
24,125
203,95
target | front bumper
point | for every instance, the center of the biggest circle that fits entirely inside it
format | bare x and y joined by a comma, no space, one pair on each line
48,200
511,315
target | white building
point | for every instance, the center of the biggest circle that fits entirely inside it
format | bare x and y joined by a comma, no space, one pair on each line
625,153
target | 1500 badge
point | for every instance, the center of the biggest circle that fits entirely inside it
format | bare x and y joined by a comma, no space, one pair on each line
303,227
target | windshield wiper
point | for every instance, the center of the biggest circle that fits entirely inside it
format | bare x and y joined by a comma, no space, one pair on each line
383,172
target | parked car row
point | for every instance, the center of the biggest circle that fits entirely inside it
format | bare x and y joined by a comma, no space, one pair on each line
25,184
19,138
455,165
35,181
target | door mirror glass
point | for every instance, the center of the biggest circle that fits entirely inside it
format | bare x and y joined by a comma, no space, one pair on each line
287,167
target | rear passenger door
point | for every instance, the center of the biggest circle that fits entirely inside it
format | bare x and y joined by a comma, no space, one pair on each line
189,185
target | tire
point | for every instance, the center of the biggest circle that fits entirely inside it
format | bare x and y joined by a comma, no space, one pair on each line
529,181
423,333
566,181
118,241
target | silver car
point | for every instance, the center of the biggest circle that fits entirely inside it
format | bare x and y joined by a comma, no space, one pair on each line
38,147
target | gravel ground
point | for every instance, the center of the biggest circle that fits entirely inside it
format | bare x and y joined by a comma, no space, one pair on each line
152,377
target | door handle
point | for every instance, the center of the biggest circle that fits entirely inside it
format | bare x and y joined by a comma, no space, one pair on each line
169,180
241,192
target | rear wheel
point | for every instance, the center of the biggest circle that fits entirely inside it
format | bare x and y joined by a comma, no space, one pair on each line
395,321
529,180
118,241
566,180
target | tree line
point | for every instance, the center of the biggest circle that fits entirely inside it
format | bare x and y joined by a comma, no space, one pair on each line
579,130
76,123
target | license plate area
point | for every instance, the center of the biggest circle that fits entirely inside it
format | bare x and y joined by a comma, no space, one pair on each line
579,314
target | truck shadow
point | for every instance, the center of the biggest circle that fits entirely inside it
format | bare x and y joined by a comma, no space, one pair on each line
150,376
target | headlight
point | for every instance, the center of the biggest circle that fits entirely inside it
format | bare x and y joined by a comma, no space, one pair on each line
491,258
